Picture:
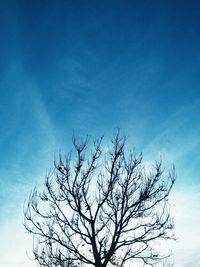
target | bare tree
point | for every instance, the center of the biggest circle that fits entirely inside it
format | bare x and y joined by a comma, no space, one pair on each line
100,208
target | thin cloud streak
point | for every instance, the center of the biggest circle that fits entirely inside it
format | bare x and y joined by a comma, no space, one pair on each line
170,143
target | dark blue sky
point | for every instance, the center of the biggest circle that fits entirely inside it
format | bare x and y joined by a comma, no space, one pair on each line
91,66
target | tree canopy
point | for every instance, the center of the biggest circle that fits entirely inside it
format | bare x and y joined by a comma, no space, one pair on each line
100,207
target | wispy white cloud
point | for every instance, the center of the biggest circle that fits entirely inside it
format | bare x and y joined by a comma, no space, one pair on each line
177,136
14,242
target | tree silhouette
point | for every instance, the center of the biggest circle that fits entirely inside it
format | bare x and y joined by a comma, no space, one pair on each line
100,208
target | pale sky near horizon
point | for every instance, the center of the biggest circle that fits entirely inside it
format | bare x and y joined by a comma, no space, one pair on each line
90,66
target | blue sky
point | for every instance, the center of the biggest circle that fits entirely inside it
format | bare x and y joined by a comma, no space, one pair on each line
88,67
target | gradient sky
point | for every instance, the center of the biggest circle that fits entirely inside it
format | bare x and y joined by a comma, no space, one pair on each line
88,67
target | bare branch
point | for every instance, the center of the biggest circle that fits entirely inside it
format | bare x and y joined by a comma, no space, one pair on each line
100,209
